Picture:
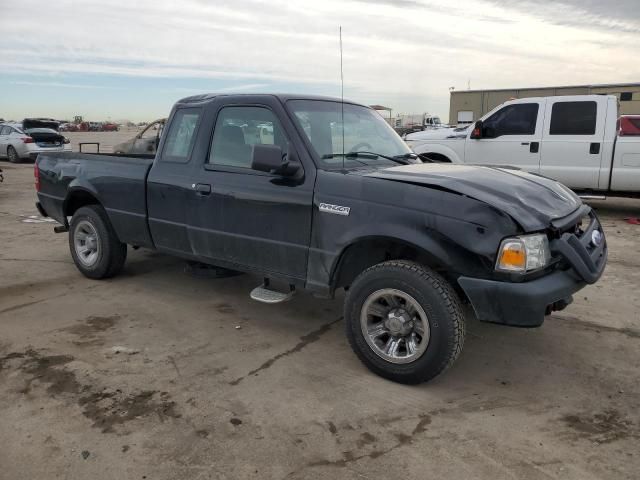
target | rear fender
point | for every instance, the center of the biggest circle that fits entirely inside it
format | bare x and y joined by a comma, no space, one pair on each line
80,193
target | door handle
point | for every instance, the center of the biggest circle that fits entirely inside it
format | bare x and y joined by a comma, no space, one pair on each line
534,147
594,148
202,188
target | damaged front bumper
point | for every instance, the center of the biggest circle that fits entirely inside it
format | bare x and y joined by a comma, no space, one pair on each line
525,304
520,304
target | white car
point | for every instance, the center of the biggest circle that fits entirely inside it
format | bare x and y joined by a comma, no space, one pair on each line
18,143
572,139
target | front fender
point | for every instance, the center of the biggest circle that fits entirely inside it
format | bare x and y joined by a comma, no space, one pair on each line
440,149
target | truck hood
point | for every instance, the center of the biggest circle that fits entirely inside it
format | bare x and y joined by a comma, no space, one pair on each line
436,134
531,200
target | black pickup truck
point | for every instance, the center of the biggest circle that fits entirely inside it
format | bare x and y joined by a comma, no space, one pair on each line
319,194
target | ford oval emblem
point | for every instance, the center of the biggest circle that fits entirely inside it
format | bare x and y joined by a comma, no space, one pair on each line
596,238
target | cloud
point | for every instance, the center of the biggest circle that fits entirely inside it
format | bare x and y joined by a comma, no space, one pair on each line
620,16
403,52
57,84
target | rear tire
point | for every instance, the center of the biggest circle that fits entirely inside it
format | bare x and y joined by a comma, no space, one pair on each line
12,155
95,247
425,309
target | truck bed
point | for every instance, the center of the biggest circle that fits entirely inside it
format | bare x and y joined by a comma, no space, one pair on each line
117,182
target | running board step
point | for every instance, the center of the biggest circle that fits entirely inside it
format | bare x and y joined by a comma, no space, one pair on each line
592,197
265,295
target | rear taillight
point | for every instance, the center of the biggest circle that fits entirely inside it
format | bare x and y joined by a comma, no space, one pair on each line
27,140
36,175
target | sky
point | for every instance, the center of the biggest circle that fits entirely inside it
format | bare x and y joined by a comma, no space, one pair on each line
126,59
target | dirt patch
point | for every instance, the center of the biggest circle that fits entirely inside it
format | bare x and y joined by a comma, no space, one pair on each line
110,408
605,427
365,439
305,340
106,408
224,308
4,360
370,446
44,369
87,331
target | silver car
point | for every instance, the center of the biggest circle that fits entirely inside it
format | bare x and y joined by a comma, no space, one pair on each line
18,143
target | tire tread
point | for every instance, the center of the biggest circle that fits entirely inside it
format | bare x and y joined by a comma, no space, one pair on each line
451,304
114,251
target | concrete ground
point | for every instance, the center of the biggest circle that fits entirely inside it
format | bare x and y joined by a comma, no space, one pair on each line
156,374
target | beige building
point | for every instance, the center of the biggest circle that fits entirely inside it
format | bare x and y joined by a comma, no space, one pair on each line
469,105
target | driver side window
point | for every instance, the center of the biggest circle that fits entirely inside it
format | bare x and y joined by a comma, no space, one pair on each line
518,119
237,129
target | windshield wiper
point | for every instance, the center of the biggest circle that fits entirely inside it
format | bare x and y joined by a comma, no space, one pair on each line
407,156
401,159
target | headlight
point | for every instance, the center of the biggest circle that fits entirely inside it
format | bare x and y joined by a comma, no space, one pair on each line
523,253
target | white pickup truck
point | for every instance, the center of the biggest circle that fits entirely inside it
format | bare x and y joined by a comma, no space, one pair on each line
572,139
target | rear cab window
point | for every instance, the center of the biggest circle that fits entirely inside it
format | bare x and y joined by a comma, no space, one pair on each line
573,118
181,135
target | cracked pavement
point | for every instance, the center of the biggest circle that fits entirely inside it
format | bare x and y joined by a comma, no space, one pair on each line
146,376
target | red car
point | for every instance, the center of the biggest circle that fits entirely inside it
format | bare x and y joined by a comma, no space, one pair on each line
629,125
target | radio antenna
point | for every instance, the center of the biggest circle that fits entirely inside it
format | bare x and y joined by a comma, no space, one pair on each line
342,96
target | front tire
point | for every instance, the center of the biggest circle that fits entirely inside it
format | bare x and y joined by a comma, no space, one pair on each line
95,247
404,321
12,155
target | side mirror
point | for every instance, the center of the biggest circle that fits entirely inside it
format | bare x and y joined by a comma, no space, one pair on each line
270,159
476,133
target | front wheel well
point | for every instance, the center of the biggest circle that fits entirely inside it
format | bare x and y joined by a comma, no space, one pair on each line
363,254
78,199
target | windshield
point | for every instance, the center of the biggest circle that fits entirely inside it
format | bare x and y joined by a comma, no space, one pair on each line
364,131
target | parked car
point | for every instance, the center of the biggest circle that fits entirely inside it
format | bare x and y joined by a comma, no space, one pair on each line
572,139
311,207
144,142
26,141
68,127
110,127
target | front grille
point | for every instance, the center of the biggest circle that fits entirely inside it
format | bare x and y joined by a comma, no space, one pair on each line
580,241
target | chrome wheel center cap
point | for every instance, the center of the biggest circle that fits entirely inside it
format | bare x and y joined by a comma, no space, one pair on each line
399,323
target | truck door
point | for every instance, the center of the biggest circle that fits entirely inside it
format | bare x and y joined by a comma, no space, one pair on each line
511,136
572,141
169,184
239,216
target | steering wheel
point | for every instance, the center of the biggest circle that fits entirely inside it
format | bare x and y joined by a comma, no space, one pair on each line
359,146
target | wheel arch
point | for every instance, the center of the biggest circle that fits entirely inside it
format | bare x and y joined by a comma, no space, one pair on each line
367,251
443,151
78,197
